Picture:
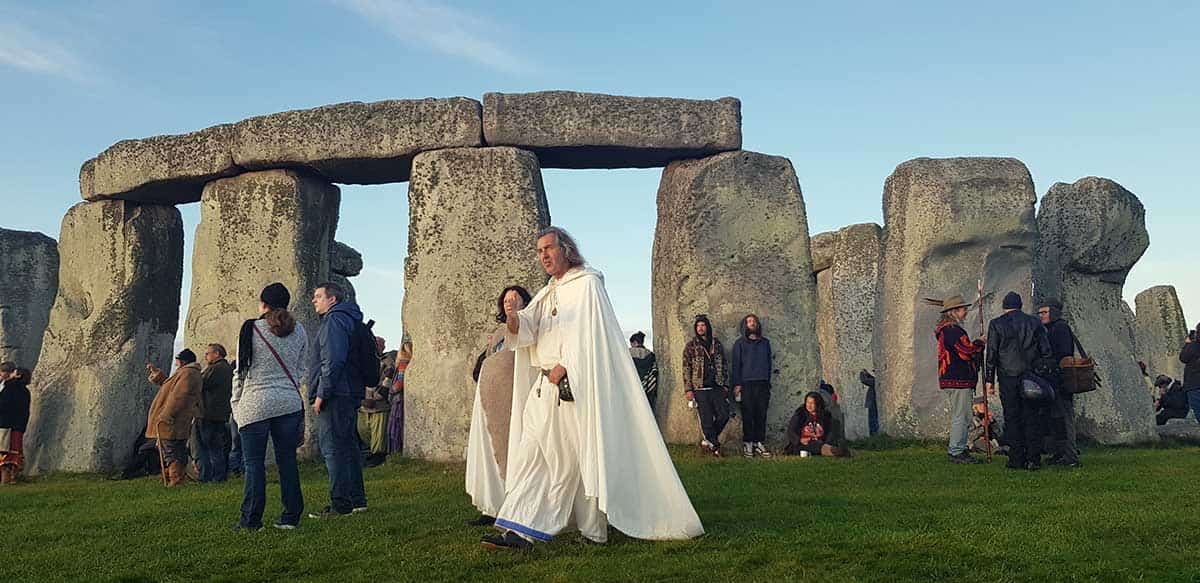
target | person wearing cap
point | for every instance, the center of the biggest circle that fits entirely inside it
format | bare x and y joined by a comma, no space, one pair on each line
958,374
272,352
1170,401
1062,410
646,364
705,379
170,420
1016,344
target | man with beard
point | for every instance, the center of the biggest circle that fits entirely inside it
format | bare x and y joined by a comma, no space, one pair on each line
704,379
584,450
751,378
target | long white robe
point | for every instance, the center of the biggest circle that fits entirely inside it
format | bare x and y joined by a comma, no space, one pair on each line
485,484
623,469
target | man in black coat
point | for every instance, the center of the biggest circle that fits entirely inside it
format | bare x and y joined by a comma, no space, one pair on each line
1015,342
1062,410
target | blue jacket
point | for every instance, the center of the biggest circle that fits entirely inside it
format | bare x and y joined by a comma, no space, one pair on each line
330,373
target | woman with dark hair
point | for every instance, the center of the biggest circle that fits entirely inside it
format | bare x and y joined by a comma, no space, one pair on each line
395,428
487,444
813,429
14,417
272,350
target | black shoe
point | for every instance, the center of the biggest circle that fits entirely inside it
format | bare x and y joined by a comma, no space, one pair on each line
1033,466
508,541
1064,462
483,520
375,460
963,458
327,512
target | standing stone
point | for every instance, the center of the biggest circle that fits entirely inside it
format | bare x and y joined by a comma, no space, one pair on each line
732,238
846,298
948,223
345,260
1092,233
568,129
28,284
256,229
1161,330
474,216
117,308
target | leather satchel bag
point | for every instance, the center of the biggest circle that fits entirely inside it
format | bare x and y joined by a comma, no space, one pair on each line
1078,374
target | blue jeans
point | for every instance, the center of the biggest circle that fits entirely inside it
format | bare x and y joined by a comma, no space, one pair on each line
285,432
1193,397
960,418
212,438
337,427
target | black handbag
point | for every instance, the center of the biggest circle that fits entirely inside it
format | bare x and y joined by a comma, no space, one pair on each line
1037,389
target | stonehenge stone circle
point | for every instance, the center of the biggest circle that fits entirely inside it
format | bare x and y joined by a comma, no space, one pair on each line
474,216
352,143
1091,234
1161,331
846,302
117,308
567,129
28,284
732,238
948,222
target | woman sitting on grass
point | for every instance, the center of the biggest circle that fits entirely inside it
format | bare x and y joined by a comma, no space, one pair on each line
813,429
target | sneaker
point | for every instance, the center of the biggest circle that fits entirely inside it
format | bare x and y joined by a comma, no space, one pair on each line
327,512
358,509
963,458
747,449
507,541
282,526
716,452
707,446
483,520
761,450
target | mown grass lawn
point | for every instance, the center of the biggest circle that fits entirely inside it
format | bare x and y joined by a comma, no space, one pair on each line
897,514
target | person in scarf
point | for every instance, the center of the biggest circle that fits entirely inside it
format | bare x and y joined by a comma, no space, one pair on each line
705,380
958,374
395,428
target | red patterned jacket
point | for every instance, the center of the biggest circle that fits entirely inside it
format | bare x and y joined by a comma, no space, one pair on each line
958,357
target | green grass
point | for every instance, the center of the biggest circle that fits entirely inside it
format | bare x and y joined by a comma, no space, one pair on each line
895,512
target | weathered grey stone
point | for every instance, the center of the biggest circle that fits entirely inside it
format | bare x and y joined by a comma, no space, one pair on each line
351,293
1161,330
474,214
1186,430
355,143
28,284
345,260
567,129
948,223
822,245
732,238
117,308
256,229
846,298
1091,234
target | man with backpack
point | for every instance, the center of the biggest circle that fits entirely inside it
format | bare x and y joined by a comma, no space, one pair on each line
338,374
1062,410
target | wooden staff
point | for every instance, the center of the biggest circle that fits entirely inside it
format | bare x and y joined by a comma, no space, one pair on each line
987,421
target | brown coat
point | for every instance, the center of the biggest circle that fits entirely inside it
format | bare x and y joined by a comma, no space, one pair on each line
175,405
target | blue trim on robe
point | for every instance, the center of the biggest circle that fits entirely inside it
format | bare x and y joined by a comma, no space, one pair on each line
525,530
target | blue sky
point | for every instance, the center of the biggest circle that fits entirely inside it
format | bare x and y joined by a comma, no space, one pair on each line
845,90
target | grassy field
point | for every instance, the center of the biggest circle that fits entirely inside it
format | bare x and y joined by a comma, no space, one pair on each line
898,513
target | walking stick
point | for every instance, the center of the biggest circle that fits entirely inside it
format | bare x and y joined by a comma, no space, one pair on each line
162,460
987,414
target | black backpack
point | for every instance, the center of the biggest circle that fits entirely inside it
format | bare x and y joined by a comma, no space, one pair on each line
364,355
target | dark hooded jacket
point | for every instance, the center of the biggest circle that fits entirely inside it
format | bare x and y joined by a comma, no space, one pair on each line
750,359
14,405
330,370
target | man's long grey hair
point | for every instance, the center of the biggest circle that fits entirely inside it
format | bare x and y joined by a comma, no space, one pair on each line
569,246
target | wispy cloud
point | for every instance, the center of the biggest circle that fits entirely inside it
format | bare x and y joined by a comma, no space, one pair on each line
23,48
442,28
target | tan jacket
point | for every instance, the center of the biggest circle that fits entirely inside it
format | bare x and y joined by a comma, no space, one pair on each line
175,405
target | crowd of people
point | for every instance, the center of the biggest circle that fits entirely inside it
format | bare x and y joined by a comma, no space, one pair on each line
562,433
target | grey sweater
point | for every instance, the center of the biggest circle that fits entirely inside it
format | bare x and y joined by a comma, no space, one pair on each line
265,390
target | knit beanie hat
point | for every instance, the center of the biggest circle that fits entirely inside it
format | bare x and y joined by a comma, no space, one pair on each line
1012,301
276,296
186,356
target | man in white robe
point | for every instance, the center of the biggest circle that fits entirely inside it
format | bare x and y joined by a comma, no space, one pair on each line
593,456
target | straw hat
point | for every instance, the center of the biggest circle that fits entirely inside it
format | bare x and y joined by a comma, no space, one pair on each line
950,303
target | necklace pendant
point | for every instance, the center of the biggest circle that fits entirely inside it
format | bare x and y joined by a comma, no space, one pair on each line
554,312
